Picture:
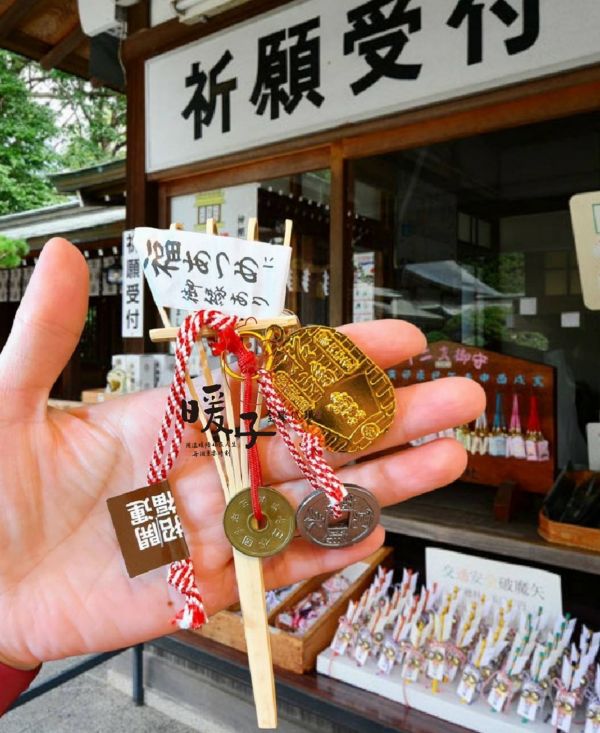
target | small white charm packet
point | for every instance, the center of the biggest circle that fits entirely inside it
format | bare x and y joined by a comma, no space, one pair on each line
469,684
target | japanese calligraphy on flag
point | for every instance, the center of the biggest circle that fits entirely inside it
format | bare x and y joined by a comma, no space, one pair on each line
192,271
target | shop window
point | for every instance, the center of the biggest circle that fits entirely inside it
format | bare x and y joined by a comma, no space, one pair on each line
212,211
561,276
474,245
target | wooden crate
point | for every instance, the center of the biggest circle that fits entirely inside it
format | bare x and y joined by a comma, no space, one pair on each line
571,535
296,653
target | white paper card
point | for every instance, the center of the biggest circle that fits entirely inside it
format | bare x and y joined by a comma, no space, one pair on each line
95,269
529,588
593,442
4,277
14,288
27,273
585,218
132,290
108,288
191,271
570,320
528,306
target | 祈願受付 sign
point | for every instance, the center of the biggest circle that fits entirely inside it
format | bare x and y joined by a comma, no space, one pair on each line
194,271
313,65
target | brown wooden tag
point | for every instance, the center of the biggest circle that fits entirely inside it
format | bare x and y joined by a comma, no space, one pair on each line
148,528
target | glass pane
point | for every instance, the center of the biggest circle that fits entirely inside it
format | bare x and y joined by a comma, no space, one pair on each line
556,260
556,282
451,237
575,282
304,198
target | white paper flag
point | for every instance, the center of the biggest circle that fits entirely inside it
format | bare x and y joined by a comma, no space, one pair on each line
132,292
192,271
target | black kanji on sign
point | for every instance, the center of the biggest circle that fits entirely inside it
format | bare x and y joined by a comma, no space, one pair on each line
203,103
286,76
472,12
160,258
380,37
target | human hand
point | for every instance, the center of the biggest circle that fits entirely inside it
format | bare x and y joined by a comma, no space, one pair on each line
63,585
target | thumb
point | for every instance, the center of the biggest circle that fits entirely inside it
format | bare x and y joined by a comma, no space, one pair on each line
46,329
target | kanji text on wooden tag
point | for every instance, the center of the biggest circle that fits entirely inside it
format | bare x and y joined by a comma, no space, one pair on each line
148,528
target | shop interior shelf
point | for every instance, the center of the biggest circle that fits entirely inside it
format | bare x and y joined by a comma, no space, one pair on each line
462,515
344,706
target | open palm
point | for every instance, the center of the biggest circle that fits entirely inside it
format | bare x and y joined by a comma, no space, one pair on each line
63,585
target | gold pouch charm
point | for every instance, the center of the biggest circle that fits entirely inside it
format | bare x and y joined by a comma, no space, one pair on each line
331,384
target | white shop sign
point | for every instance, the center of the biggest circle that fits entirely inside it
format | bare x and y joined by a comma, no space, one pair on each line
132,293
314,65
528,588
14,288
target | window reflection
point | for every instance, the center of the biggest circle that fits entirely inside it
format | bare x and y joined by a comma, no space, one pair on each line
471,240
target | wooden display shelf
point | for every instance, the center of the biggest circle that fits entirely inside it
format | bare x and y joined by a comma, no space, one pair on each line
344,706
462,515
298,652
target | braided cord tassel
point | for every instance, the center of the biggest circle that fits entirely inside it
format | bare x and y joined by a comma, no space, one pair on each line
309,454
181,572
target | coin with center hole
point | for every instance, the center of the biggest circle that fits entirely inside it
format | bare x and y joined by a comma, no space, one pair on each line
360,515
276,531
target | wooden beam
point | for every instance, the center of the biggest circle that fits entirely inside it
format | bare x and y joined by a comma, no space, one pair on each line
337,225
173,33
63,48
32,48
16,13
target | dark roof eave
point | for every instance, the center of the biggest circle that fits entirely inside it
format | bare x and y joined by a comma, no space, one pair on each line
98,175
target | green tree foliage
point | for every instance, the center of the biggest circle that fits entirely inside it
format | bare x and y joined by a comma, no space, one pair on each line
26,129
12,252
92,120
51,122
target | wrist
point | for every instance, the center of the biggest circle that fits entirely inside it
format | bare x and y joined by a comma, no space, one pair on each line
19,664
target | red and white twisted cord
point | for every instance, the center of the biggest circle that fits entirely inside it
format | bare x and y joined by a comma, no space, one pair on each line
308,454
181,572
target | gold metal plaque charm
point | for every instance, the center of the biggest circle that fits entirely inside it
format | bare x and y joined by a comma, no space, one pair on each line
244,533
330,383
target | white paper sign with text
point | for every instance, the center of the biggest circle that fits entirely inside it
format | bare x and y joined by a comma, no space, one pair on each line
132,292
195,271
315,65
529,588
585,218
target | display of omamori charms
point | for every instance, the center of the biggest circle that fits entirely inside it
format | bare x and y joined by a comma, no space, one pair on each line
511,443
492,658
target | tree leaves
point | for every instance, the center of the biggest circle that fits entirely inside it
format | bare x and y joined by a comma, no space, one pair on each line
25,153
12,252
51,122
